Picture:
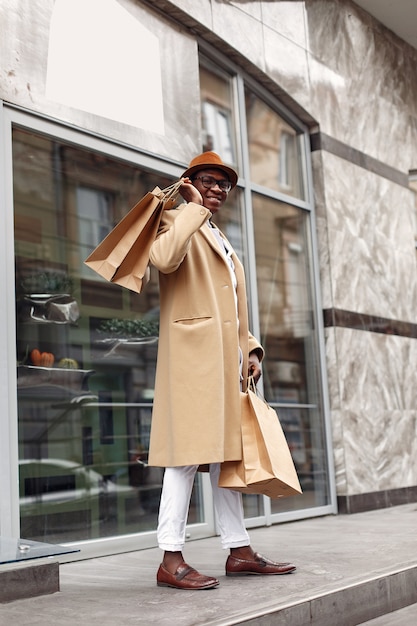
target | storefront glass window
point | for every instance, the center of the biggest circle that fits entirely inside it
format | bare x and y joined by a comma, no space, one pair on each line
86,350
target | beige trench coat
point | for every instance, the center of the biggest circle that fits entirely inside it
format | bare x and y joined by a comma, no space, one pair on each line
196,414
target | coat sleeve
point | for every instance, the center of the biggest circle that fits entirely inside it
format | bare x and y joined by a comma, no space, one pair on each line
255,346
174,236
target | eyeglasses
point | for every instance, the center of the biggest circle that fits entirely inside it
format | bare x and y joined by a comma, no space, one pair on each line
209,182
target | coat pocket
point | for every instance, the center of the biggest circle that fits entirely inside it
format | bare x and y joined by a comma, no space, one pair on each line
192,321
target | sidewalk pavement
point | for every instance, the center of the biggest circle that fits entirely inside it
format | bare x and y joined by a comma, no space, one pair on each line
350,569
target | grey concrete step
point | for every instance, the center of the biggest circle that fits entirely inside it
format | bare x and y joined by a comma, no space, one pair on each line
350,569
34,579
402,617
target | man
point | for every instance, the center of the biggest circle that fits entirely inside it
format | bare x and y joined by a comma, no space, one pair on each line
205,355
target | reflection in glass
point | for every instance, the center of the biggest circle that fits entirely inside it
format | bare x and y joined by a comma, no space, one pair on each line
274,149
86,350
290,368
217,114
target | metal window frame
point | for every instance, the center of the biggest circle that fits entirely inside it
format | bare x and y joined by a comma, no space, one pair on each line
9,497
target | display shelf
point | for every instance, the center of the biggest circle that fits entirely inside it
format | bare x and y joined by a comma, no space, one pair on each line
47,308
119,347
35,376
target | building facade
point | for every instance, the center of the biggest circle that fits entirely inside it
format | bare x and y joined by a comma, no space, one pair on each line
315,104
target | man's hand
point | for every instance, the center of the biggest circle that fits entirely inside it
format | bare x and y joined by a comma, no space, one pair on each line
254,367
190,193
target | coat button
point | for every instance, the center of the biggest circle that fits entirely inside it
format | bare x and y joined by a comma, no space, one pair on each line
202,211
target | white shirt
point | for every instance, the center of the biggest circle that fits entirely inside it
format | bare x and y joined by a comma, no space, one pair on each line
227,251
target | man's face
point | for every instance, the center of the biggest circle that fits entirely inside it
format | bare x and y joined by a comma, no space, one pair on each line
213,196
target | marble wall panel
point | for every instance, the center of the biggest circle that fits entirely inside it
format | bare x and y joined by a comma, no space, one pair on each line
371,263
322,230
379,451
374,453
382,283
252,7
286,63
342,23
326,285
375,372
339,459
332,362
363,90
319,188
374,447
240,30
373,400
289,19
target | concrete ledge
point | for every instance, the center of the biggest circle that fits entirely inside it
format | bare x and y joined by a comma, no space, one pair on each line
350,606
29,581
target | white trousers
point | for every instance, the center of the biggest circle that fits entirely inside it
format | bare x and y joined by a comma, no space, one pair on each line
175,502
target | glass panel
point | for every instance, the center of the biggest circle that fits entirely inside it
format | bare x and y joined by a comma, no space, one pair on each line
86,350
217,114
274,149
290,368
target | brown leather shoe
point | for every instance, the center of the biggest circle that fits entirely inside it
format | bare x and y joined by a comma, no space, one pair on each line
185,577
259,565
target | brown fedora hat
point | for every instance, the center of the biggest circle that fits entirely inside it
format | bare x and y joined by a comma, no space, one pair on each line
210,160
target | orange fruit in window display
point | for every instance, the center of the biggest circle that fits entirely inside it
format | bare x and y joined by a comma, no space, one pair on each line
42,359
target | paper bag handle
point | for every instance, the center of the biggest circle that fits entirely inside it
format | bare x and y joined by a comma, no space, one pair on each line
171,191
252,387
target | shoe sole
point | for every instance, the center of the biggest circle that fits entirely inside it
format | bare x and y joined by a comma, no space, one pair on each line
290,571
213,586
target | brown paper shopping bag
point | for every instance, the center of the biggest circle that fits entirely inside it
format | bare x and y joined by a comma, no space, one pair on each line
123,256
266,466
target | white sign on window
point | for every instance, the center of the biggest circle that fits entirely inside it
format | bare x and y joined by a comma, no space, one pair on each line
103,61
